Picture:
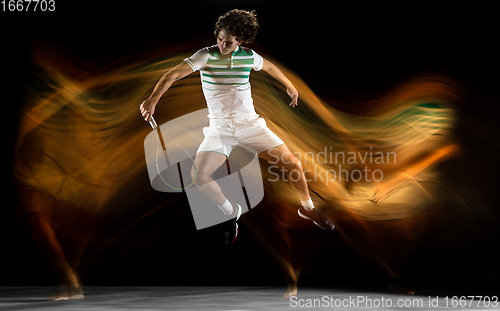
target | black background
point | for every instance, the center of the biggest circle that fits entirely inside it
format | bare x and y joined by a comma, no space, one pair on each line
340,51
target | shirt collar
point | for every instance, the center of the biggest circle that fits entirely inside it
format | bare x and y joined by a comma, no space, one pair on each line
236,52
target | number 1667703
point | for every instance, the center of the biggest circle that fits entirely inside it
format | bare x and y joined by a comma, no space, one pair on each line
28,5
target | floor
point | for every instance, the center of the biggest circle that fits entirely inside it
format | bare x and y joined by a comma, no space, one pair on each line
232,298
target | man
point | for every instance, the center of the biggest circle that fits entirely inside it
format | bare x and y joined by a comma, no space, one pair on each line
225,69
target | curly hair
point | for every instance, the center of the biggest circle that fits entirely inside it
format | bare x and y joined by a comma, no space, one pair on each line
240,23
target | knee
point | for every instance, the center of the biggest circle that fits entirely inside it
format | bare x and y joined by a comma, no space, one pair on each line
200,177
193,173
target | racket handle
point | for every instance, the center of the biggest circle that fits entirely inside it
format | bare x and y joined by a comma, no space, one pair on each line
152,122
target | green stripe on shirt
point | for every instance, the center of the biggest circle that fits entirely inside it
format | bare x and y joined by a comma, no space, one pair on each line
240,69
226,76
220,83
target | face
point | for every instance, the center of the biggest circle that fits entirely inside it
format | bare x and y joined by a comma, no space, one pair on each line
227,42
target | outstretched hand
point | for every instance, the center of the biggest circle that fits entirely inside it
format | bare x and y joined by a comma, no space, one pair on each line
294,95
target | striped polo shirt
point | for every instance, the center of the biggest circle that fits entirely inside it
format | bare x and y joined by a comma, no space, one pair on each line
225,80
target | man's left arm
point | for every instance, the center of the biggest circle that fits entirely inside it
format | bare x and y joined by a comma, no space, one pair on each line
276,73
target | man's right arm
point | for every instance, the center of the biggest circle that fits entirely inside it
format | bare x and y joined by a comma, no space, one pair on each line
178,72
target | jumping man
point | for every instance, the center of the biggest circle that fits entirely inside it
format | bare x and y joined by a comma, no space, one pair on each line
225,69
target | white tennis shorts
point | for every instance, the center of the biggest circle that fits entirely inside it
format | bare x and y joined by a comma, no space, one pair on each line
224,134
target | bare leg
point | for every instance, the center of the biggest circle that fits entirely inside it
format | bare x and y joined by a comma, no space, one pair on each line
290,164
47,240
49,245
206,164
